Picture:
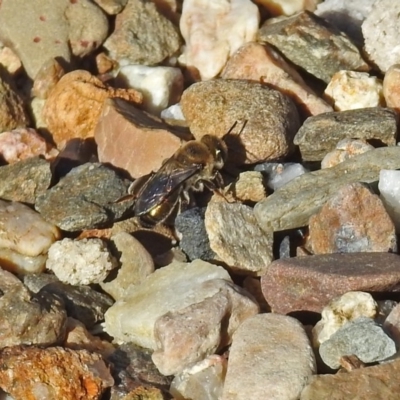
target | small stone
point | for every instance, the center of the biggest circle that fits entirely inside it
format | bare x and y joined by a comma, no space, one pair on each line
344,150
271,118
142,35
249,186
111,7
341,310
213,31
80,262
105,64
391,324
313,44
352,220
361,337
320,134
161,86
87,27
74,105
147,141
202,381
28,318
292,205
349,90
173,112
85,198
53,372
168,289
381,29
276,350
263,64
310,283
47,78
391,87
188,335
10,61
136,265
25,180
36,106
389,189
237,239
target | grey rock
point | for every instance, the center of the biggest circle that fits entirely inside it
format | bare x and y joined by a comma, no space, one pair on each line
313,44
361,337
25,180
320,134
85,198
292,205
194,240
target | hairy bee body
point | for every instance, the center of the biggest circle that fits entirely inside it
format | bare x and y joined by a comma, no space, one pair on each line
195,165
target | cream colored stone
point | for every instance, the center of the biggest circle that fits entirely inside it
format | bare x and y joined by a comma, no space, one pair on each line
349,90
9,60
213,30
341,310
287,7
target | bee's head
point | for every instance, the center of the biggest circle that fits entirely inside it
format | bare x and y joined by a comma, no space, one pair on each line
217,148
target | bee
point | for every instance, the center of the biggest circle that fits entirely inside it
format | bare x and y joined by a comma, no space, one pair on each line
193,167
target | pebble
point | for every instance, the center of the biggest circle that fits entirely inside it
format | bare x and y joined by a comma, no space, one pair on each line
292,205
9,60
80,262
85,198
345,149
161,86
287,7
343,309
349,90
391,87
147,140
46,78
313,44
391,325
213,31
361,337
237,239
320,134
213,107
111,7
53,372
136,265
389,190
309,283
281,370
263,64
354,219
380,30
142,35
74,105
249,187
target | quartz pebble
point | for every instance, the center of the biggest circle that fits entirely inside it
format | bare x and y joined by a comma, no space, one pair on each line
80,262
213,31
257,365
389,189
349,90
339,311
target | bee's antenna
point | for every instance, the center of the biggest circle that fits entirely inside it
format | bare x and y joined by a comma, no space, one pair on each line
231,128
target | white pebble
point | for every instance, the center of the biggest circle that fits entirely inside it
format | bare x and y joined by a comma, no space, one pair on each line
173,112
389,187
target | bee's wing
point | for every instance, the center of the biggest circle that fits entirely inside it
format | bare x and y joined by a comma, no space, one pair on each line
161,185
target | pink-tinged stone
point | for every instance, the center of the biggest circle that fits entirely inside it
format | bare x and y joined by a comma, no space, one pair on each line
133,140
262,63
309,283
47,77
354,219
391,87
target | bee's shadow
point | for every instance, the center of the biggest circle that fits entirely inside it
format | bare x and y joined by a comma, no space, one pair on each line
236,149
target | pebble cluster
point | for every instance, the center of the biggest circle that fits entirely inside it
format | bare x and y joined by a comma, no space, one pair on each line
283,284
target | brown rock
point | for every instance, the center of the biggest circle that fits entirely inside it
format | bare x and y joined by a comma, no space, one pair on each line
379,382
53,373
309,283
391,87
262,63
354,219
74,105
266,119
47,77
132,139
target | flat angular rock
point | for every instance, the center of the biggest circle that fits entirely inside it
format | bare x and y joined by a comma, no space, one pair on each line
270,354
310,283
313,44
292,205
168,289
85,198
320,134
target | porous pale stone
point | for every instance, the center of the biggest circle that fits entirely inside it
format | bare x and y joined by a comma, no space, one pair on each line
292,205
349,90
249,186
341,310
270,354
80,262
237,239
213,31
171,288
161,86
389,189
